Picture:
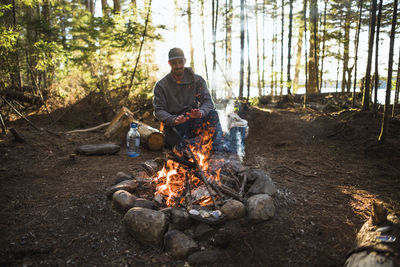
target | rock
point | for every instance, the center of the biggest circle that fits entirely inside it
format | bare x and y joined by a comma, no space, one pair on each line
233,209
123,200
180,218
127,185
179,245
260,207
263,183
97,149
121,176
206,257
146,225
143,203
203,231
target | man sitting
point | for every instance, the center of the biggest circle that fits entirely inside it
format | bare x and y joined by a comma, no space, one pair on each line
183,103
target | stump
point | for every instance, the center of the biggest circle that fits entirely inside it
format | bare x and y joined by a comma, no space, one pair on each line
150,137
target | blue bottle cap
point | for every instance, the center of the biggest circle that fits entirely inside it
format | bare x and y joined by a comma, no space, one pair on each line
133,125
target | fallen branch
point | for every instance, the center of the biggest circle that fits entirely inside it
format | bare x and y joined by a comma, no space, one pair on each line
19,114
89,129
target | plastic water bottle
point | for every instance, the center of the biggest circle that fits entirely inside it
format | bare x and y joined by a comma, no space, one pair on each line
133,141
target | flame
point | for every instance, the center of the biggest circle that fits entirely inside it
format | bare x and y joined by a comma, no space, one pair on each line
170,181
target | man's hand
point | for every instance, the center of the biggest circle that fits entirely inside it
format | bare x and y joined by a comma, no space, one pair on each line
194,113
181,119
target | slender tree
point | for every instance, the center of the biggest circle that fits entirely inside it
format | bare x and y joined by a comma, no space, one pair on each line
282,40
396,94
258,52
189,13
376,76
313,59
248,54
346,43
214,30
366,95
204,39
228,45
305,52
263,48
385,121
321,71
241,49
117,7
289,80
357,41
141,45
299,46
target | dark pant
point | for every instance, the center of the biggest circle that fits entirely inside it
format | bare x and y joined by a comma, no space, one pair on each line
189,130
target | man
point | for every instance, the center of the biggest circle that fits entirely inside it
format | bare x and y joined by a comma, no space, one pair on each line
182,101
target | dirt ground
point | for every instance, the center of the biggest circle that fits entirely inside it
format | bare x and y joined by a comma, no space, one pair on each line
328,168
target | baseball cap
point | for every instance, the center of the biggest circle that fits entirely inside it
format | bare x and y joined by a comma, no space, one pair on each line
175,53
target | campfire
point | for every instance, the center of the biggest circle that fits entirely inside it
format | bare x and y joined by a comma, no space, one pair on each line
194,190
188,171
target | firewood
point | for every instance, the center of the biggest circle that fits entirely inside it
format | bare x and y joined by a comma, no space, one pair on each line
243,184
151,138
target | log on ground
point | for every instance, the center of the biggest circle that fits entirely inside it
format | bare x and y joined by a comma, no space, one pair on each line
150,137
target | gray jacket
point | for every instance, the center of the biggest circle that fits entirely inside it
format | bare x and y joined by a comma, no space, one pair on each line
172,99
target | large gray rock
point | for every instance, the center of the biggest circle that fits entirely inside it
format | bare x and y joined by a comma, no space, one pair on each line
143,203
206,257
233,209
263,183
179,245
260,207
127,185
146,225
97,149
180,218
122,176
123,200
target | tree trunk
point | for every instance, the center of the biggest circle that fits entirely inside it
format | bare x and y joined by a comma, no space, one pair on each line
385,122
298,57
141,45
228,53
289,79
346,44
189,13
248,55
305,51
263,49
376,80
396,94
104,7
117,7
204,40
366,95
214,29
241,49
312,66
357,40
282,39
321,71
258,55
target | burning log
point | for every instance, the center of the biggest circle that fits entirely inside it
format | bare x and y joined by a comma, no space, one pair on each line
174,157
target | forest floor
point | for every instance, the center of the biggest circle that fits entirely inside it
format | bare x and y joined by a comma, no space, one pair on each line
328,168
